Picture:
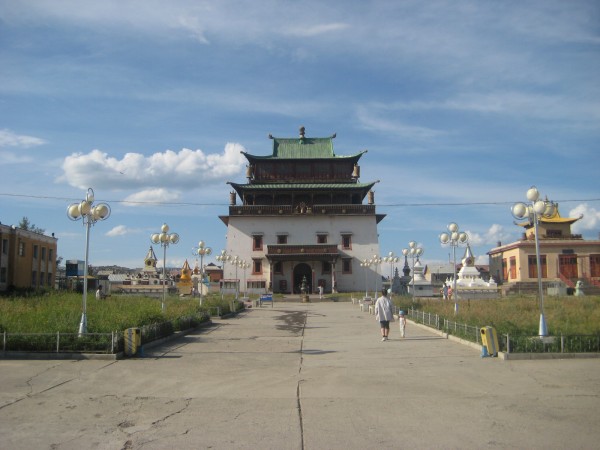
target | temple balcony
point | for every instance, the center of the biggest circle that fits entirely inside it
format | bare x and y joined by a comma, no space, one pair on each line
282,252
288,210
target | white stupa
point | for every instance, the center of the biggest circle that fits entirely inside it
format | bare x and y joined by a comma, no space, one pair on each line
423,288
469,283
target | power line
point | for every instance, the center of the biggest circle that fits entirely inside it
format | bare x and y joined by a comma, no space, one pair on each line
46,197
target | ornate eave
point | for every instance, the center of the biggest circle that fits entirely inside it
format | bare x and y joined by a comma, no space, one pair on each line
241,188
300,252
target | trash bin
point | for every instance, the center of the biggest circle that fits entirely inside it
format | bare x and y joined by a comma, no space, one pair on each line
489,339
133,341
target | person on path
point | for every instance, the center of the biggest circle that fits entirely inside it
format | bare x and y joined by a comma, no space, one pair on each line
99,294
402,322
384,313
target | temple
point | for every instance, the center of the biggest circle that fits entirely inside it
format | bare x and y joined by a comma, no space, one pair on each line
565,258
303,212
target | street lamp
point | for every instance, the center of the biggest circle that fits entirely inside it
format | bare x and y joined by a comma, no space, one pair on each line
366,263
532,211
454,238
89,214
224,258
164,239
243,265
377,260
235,261
391,260
201,250
414,252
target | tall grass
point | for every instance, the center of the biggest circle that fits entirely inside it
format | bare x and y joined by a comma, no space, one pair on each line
61,311
567,315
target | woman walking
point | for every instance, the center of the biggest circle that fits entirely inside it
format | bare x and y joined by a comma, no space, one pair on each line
384,314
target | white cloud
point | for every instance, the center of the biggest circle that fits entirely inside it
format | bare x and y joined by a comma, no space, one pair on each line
185,169
119,230
11,139
12,158
590,220
370,118
491,237
159,195
317,30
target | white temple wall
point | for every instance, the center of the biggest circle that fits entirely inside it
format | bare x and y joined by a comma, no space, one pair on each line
304,230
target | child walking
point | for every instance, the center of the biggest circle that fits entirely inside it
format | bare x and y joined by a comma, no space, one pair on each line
402,321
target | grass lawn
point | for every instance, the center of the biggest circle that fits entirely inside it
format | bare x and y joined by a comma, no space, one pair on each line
567,315
61,311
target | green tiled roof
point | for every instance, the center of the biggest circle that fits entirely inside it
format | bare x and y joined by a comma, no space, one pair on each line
303,148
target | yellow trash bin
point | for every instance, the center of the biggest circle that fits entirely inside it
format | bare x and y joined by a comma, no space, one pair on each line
489,339
133,341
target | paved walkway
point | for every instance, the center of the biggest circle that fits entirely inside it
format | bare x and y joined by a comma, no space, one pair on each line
301,376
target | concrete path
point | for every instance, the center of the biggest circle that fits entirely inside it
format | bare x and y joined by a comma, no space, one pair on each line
301,376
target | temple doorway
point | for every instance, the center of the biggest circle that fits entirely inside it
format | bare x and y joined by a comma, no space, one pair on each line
300,271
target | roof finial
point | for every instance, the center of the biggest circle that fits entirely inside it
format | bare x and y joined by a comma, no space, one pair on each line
302,129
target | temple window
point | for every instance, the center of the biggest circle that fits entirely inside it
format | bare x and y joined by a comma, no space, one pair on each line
322,238
278,268
347,265
257,242
256,267
347,241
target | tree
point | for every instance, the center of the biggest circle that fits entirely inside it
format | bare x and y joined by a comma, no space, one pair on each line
24,224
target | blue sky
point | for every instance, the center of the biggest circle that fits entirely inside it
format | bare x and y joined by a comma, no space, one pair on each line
462,106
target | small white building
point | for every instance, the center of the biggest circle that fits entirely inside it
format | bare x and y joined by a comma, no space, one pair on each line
418,283
470,284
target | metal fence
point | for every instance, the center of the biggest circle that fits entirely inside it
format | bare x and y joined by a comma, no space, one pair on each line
106,343
60,342
511,343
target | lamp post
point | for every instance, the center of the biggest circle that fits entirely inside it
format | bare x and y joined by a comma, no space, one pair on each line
89,214
377,260
391,260
164,239
366,263
414,252
224,258
201,250
235,261
243,265
532,211
454,238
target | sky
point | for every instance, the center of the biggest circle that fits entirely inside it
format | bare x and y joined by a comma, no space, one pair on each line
461,105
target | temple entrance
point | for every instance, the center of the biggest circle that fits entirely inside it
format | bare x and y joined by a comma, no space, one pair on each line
300,271
567,266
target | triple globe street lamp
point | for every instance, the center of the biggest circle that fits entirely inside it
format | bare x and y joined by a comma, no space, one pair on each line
454,238
366,263
391,259
201,251
164,239
224,258
414,251
533,212
89,214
